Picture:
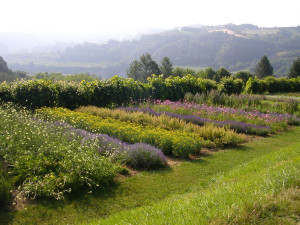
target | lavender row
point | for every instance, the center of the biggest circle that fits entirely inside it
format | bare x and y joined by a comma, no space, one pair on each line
138,155
240,127
268,117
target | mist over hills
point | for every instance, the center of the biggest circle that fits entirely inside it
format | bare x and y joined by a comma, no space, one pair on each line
235,47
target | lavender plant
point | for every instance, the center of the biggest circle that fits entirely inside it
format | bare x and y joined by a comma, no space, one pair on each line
138,155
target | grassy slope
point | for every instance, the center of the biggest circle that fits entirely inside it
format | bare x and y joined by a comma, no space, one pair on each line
224,200
146,188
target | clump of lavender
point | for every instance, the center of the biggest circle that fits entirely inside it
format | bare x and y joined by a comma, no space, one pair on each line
138,155
145,156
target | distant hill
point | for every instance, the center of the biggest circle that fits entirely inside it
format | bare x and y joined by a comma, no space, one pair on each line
235,47
8,75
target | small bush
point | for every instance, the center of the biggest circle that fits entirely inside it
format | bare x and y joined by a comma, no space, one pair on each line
144,156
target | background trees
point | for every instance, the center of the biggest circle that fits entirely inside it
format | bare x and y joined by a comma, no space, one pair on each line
142,69
166,67
244,76
263,68
222,72
295,69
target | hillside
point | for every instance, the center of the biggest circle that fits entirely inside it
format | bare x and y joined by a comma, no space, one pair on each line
235,47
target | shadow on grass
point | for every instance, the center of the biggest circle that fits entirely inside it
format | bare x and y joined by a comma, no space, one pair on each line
6,216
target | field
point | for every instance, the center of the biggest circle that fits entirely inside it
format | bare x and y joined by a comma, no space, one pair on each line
194,161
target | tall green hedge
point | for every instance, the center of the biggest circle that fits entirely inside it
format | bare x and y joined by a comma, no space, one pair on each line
118,91
272,85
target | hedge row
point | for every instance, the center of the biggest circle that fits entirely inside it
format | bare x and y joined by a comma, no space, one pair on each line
272,85
115,91
118,91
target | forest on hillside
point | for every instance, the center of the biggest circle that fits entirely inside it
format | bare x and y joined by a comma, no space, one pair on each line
235,47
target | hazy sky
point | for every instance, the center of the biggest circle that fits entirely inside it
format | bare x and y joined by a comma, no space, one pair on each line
74,17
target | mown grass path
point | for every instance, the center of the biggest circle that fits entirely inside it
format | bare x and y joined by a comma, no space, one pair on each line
146,188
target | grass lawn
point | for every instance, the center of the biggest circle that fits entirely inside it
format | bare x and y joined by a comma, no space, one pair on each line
147,188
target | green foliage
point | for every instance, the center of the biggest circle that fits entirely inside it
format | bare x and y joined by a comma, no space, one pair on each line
118,91
244,75
59,77
263,68
34,93
47,161
166,67
295,69
254,86
229,85
174,88
144,68
222,72
181,72
209,73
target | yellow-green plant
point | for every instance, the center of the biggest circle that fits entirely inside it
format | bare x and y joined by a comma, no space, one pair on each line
219,135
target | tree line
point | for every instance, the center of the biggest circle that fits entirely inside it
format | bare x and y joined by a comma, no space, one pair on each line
143,68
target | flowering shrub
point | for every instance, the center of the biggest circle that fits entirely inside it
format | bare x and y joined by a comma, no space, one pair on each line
46,161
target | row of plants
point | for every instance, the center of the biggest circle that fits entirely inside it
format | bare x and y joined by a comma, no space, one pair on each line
137,156
50,159
45,161
272,85
277,122
160,120
239,127
246,101
118,91
175,142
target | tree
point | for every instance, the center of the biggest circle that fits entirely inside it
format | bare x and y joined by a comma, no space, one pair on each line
134,70
263,68
144,68
244,75
295,69
166,67
222,72
181,72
